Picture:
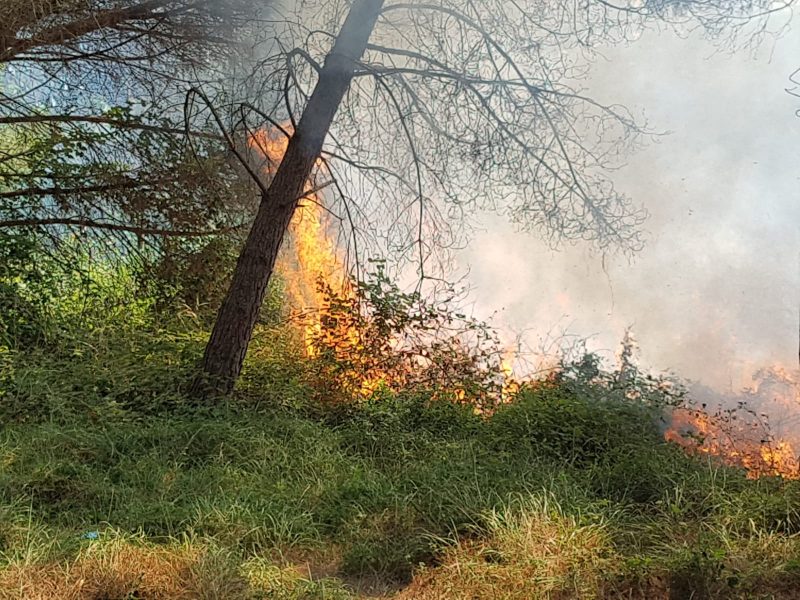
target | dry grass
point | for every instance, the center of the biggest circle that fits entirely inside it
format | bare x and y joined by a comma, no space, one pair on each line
125,568
533,551
119,570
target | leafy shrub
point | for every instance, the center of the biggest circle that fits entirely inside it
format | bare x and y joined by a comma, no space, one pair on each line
552,420
81,336
28,280
389,415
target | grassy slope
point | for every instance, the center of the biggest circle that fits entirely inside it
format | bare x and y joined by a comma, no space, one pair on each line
568,493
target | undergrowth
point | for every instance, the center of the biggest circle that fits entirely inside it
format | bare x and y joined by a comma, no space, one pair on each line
115,484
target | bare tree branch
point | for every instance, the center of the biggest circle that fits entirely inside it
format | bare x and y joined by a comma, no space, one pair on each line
99,120
91,224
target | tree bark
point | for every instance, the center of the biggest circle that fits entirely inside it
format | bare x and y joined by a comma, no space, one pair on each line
225,352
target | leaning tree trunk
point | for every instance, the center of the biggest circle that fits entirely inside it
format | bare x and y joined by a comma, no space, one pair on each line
237,316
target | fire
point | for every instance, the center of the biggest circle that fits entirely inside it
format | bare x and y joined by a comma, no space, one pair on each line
310,264
510,385
750,433
358,354
312,254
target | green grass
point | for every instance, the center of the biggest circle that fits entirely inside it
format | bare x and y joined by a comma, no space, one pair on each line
115,484
392,488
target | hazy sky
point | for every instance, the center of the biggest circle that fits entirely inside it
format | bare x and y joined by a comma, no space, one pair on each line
715,293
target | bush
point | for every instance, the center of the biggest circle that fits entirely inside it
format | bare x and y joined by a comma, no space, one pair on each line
49,297
99,437
552,420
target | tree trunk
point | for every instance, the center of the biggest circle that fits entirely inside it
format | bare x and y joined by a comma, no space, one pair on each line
225,352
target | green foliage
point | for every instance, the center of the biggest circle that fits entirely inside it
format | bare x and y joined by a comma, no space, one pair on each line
127,167
79,340
557,423
597,429
49,296
196,272
390,485
84,338
389,417
25,284
99,436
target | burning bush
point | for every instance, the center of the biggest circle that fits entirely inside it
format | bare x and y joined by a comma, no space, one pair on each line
739,436
755,430
370,337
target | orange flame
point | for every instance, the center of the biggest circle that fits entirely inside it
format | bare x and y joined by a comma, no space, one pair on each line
312,254
742,436
309,262
510,385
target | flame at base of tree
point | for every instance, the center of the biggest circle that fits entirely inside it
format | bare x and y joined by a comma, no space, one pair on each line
366,336
310,265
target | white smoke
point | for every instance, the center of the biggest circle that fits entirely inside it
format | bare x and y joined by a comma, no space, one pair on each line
714,296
